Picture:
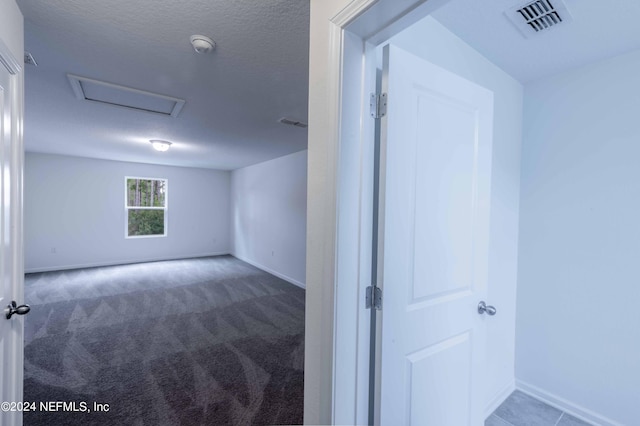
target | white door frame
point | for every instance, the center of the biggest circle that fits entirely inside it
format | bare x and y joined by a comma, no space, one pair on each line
14,359
344,334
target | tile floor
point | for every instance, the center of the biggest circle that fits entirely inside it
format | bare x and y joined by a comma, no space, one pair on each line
522,410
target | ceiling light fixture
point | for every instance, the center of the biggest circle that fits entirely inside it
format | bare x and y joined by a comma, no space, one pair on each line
202,44
159,145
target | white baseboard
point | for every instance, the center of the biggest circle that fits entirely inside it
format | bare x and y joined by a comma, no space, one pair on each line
119,262
271,271
569,407
499,398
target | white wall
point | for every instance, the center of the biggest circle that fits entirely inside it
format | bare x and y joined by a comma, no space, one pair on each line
76,205
578,326
432,41
268,216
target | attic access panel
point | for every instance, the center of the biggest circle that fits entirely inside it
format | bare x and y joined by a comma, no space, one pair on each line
113,94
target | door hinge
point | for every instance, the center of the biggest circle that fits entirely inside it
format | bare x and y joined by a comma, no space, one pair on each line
378,105
374,298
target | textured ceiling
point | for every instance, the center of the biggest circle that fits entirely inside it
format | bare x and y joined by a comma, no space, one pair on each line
599,30
257,74
234,97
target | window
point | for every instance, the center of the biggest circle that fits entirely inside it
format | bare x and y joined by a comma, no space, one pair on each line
146,207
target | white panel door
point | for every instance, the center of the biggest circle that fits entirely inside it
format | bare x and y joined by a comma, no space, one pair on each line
11,269
436,172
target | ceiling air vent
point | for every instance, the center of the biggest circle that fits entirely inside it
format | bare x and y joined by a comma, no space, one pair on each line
538,16
292,122
126,97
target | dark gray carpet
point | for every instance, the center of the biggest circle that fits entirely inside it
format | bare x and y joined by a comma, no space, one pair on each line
208,341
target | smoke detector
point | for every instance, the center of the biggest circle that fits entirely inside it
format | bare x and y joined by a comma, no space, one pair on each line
202,44
535,17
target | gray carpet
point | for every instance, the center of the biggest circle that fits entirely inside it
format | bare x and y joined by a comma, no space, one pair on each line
208,341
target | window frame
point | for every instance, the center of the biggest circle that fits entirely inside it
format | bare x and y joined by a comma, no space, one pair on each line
127,208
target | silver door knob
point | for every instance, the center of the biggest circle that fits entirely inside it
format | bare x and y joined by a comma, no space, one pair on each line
484,308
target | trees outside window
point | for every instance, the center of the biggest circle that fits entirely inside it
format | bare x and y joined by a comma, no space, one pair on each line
146,207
